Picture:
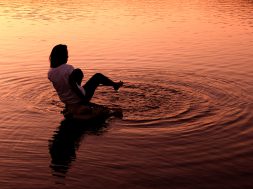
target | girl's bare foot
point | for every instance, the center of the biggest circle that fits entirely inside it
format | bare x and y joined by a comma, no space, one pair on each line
117,85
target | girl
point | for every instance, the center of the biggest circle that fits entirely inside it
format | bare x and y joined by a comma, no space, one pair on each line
66,83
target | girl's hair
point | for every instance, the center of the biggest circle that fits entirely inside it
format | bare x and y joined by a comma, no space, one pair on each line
58,56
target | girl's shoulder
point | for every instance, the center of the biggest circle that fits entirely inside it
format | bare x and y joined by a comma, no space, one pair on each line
64,68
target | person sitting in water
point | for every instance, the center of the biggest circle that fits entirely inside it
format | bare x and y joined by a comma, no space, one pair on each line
67,81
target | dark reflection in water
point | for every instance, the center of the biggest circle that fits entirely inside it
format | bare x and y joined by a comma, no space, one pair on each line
66,141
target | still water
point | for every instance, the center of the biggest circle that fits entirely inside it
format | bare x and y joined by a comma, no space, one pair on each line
187,99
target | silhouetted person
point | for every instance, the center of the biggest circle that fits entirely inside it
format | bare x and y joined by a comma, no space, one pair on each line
67,82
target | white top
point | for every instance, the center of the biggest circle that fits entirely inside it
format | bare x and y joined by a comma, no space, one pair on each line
60,78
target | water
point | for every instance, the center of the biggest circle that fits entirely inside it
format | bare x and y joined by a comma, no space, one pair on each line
187,99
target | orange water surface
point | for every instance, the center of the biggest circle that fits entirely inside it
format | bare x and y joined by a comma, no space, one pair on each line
187,67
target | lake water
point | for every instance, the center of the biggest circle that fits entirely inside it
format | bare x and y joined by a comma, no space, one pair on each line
187,99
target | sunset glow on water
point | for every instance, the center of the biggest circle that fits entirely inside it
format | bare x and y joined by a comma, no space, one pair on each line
187,68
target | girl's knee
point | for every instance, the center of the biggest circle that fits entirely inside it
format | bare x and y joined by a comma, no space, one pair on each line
98,75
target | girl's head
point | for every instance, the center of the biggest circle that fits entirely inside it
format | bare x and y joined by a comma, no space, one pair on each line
58,56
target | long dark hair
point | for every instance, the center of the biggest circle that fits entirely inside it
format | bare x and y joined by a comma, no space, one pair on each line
58,56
